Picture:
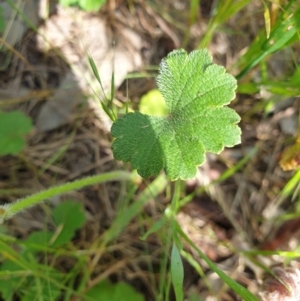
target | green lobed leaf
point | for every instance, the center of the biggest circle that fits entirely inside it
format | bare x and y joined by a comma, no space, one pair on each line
68,217
13,127
195,91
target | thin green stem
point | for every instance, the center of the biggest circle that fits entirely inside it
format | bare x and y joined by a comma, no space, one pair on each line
8,210
176,198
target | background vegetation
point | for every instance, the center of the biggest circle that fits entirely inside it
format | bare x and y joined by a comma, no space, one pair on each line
121,237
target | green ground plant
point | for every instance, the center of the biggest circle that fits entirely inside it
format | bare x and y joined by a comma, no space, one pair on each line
192,86
196,92
23,275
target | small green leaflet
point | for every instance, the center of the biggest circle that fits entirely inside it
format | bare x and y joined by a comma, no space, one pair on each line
2,23
87,5
68,217
13,128
195,91
113,292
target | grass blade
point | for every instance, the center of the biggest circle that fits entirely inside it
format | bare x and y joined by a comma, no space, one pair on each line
240,290
177,273
280,36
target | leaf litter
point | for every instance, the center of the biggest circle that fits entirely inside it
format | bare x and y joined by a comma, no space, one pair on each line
235,212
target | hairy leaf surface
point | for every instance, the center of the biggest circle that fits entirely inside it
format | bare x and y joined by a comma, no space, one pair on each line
196,92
